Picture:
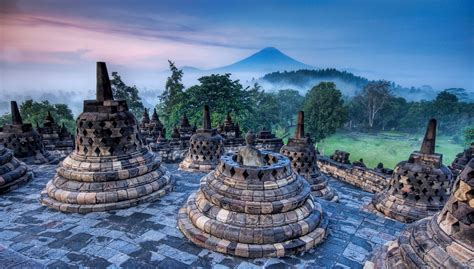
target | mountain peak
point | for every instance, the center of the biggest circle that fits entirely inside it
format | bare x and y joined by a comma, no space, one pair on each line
268,59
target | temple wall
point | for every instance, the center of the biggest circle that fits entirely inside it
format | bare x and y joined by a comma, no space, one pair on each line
362,177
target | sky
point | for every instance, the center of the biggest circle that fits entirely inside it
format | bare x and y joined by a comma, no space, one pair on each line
53,45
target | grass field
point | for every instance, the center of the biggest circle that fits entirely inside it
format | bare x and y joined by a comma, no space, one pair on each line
388,148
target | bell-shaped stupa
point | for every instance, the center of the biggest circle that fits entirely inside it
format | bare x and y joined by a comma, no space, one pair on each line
24,141
205,147
56,138
445,240
461,160
267,140
231,133
420,186
110,167
13,173
253,205
302,154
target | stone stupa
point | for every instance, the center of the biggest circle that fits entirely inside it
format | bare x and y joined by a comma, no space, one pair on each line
155,128
110,167
302,154
56,138
445,240
231,133
13,173
266,140
205,147
185,129
24,141
253,205
420,186
461,160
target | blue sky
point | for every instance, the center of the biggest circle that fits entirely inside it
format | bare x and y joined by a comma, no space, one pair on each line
55,43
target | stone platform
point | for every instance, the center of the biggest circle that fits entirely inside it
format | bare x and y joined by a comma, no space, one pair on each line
146,236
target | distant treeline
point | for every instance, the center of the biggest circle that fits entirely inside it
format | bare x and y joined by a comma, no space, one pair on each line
308,78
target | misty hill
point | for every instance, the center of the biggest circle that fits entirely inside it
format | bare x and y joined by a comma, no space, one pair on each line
266,60
348,83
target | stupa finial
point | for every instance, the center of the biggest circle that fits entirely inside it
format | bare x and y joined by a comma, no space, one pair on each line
103,89
429,140
206,119
16,117
299,132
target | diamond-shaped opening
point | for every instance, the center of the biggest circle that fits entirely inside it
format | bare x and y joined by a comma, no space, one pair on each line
245,174
90,124
424,191
111,150
232,171
86,150
84,132
274,172
419,182
114,124
108,132
417,197
260,174
90,141
102,124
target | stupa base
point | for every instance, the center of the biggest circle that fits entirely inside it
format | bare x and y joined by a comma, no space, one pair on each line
87,202
202,236
20,181
189,166
423,245
321,190
396,209
41,158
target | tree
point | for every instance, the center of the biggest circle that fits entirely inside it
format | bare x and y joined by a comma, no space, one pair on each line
32,112
324,110
469,135
121,91
170,99
222,94
373,98
289,103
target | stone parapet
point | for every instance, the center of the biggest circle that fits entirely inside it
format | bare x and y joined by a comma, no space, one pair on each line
361,177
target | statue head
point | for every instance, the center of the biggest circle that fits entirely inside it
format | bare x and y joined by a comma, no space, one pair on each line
250,138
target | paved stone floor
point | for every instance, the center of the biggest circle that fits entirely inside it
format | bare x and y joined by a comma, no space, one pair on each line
33,236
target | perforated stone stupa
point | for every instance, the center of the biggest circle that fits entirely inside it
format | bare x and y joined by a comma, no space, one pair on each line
205,149
150,129
24,141
185,129
461,160
341,156
170,150
420,186
231,133
56,138
110,168
13,173
445,240
253,205
302,154
267,140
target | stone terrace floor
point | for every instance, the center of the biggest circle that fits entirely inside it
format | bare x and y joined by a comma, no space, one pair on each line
146,236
